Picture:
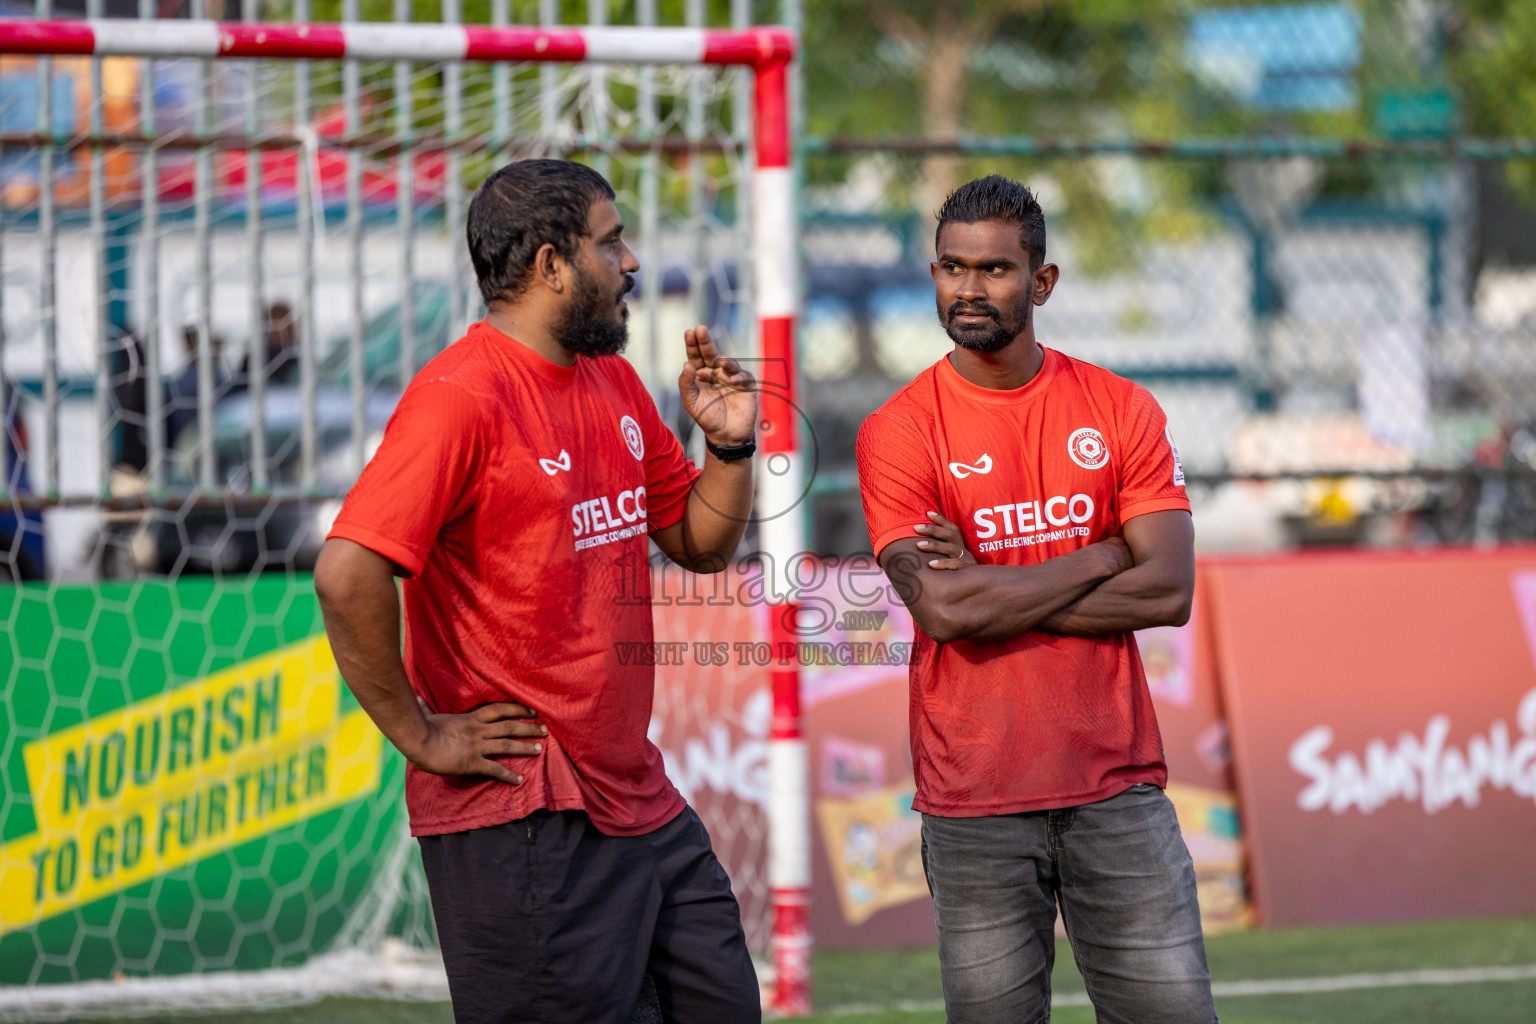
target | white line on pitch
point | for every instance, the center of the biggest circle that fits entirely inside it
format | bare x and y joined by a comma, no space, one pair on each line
1264,987
1390,979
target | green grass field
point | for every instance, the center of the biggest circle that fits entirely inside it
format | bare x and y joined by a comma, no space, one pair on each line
849,978
902,986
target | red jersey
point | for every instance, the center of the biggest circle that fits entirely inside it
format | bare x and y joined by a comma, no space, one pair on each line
517,496
1036,721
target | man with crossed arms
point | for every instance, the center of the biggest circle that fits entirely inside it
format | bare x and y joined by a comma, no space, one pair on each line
1035,747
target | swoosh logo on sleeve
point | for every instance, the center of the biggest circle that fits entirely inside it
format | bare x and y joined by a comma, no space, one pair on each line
553,466
961,470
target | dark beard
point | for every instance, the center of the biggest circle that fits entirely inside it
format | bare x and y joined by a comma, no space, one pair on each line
590,326
984,337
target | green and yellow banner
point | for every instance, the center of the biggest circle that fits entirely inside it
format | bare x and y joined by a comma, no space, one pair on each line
187,782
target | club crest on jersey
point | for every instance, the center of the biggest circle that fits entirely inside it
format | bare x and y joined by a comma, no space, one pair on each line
961,470
1087,448
632,436
553,466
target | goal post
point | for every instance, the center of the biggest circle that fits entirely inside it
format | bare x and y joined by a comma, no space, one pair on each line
304,154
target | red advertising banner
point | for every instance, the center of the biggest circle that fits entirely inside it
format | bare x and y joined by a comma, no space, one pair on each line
1181,675
1383,716
710,720
868,885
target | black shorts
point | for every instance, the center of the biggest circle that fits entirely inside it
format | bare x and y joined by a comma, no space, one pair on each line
546,919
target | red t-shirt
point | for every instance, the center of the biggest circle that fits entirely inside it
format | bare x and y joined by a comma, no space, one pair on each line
1036,721
517,496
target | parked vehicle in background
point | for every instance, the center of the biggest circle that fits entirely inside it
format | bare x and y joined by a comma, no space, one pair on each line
23,544
234,531
242,532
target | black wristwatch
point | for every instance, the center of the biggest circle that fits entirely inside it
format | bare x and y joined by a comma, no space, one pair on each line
732,452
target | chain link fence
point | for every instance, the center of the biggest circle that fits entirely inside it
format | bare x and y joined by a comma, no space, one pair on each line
1351,366
218,276
1305,227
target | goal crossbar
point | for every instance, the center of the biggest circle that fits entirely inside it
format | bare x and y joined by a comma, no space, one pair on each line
101,37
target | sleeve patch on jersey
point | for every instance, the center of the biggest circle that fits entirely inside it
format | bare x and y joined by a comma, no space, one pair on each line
1178,467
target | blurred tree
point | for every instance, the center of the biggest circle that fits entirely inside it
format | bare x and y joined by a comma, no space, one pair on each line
1109,69
1490,55
947,69
1074,70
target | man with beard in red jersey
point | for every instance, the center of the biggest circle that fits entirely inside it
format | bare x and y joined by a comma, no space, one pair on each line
524,471
1036,751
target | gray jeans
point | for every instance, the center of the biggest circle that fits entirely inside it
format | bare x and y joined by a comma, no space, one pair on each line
1123,878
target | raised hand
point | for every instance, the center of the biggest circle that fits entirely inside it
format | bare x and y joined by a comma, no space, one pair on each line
466,744
943,538
719,395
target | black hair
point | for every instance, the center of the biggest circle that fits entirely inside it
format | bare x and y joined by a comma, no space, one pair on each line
998,198
520,208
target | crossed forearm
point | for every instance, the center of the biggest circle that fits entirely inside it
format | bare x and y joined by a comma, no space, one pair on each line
1146,578
1005,600
1139,598
992,602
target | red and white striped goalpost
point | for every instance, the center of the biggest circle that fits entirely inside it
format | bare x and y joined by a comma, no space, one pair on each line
768,51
